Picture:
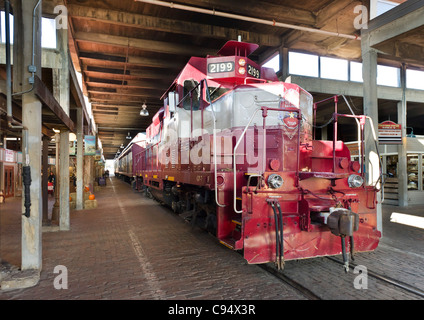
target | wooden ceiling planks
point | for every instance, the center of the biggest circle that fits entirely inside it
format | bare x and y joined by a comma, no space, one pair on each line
129,52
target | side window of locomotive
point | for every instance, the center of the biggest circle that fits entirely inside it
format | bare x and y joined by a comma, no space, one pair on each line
189,85
171,102
216,92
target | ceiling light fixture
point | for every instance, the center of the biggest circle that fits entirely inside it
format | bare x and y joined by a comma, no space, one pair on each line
143,111
129,136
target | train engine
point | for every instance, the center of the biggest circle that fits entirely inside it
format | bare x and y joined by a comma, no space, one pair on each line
233,150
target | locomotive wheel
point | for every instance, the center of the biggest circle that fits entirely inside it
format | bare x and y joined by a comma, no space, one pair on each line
148,194
211,224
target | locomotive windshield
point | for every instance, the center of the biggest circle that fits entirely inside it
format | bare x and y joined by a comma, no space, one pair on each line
189,85
216,92
248,98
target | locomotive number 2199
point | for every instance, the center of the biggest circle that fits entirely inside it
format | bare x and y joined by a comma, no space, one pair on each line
253,71
221,67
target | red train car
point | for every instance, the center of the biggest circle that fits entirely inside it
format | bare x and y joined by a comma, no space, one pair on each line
232,150
130,163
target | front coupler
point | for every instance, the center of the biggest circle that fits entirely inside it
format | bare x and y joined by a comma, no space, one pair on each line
343,223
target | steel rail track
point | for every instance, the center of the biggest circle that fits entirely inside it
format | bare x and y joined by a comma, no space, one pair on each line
312,296
292,283
396,283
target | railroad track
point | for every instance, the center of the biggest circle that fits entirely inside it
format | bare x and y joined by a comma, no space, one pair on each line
308,294
399,284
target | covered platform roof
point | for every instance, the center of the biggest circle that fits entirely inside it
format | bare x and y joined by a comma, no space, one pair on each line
129,52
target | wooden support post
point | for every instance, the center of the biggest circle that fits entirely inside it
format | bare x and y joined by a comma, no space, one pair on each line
80,160
45,193
62,95
26,55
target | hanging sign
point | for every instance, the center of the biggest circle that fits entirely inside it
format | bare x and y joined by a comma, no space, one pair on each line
89,145
389,132
72,147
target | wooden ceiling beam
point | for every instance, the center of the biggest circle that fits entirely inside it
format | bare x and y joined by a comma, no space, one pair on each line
125,92
134,77
262,9
332,11
140,73
103,97
136,85
142,44
133,62
121,104
128,19
404,51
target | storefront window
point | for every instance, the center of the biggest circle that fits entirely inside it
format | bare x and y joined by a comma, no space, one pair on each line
412,171
391,166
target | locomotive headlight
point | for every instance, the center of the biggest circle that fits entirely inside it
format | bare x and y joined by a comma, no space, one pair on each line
275,181
242,62
242,70
355,181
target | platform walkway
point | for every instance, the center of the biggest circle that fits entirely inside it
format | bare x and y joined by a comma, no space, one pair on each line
130,247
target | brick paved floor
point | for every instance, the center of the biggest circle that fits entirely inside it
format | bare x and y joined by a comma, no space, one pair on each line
132,248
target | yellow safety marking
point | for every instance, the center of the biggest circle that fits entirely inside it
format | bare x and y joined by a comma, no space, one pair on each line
227,245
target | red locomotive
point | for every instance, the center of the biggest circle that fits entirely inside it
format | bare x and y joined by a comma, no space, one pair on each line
232,150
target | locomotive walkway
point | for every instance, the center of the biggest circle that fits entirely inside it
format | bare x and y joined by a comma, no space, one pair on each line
130,248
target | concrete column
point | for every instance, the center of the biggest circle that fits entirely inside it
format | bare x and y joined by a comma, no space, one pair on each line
402,159
284,62
80,160
61,93
64,216
32,226
56,206
88,172
24,56
369,74
372,161
46,141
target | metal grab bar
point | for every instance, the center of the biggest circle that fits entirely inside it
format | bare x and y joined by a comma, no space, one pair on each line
360,121
234,160
214,146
